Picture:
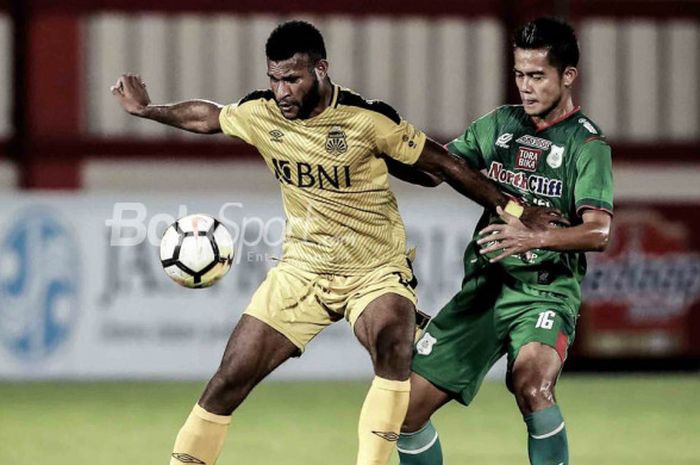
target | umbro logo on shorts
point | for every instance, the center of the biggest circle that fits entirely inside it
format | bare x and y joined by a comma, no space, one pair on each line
388,435
187,458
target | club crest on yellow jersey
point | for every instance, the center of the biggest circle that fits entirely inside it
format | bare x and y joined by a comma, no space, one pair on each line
336,143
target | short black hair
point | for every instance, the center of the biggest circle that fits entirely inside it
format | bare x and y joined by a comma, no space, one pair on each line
292,37
553,34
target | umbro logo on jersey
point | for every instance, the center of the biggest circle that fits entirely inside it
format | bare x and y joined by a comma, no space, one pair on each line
276,135
187,458
503,140
336,142
388,435
535,142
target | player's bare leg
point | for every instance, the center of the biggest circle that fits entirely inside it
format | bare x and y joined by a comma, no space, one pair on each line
534,377
419,443
386,329
253,351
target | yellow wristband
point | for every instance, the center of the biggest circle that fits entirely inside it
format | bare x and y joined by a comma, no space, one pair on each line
514,208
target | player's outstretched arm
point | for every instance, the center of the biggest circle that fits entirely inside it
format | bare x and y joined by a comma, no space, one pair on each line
436,160
200,116
512,237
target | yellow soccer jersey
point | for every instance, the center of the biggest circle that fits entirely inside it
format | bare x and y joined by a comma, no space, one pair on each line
341,216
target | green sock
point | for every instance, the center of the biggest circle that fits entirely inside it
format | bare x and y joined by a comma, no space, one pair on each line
421,447
546,442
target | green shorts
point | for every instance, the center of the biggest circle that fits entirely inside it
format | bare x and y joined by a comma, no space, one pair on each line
491,315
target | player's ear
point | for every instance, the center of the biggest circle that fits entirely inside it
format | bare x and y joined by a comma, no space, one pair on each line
321,69
569,75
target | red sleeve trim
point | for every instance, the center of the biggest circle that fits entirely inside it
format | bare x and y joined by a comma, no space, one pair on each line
592,138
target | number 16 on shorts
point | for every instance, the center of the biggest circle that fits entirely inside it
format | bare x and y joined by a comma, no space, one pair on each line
545,320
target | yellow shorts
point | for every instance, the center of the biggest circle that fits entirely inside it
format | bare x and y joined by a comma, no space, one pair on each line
300,304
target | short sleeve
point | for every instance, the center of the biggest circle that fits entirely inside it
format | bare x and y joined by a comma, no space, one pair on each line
399,140
594,180
467,147
477,141
235,121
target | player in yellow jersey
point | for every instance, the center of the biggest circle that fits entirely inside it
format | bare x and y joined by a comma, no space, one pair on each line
344,254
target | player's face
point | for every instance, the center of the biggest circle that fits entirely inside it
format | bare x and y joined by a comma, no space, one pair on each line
295,85
540,84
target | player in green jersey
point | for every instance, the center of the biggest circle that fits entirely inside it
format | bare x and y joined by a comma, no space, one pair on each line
521,291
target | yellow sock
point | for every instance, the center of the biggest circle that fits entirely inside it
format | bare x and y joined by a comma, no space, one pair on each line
201,438
380,420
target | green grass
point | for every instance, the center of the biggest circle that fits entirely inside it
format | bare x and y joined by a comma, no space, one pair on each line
610,420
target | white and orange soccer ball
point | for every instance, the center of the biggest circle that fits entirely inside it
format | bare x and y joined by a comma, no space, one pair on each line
196,251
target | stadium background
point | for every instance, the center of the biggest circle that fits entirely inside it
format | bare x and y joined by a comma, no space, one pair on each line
101,356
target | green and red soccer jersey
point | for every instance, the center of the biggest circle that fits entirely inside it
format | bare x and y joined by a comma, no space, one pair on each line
566,165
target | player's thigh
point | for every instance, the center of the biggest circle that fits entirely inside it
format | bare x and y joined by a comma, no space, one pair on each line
459,346
539,339
425,400
286,301
255,349
386,328
382,308
388,316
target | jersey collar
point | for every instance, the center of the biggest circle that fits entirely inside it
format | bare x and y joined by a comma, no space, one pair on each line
334,98
540,128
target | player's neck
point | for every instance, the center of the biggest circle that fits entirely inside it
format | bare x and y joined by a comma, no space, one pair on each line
558,113
325,90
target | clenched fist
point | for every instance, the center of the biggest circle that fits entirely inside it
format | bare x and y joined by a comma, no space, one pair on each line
130,90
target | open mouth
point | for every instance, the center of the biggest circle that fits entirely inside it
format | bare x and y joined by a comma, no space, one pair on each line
286,106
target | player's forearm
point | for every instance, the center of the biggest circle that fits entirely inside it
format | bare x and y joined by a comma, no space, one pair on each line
200,116
586,237
472,183
465,179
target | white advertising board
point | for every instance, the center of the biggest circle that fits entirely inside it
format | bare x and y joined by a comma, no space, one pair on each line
73,304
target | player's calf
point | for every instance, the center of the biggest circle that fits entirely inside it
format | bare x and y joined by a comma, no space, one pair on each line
253,351
419,443
385,329
534,376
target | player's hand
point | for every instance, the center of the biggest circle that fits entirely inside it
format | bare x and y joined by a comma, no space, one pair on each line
540,218
130,90
510,238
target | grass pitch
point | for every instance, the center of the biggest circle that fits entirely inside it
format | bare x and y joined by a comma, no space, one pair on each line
610,421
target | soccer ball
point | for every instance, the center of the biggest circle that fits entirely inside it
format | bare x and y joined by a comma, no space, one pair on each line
196,251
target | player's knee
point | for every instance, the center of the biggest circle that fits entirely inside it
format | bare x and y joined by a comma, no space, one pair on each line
393,349
534,393
225,391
